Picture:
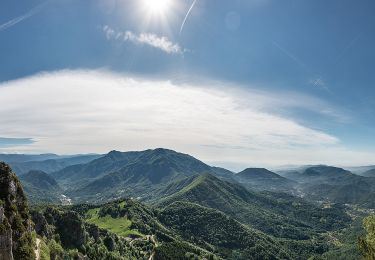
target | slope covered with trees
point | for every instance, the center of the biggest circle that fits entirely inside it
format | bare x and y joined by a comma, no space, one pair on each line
280,215
15,221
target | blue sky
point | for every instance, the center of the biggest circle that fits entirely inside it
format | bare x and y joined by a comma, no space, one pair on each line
306,63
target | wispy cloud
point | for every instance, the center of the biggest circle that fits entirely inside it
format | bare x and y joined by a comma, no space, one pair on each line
11,142
95,111
159,42
21,18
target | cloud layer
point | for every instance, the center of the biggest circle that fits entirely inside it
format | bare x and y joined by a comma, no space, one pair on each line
96,111
149,39
11,142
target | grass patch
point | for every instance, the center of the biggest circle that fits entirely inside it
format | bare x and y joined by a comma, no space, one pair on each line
119,226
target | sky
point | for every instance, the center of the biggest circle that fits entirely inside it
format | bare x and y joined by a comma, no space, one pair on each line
235,83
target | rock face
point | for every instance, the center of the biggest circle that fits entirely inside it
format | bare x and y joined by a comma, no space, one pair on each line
6,252
67,224
15,222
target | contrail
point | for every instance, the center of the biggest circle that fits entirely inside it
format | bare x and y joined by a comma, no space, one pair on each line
292,56
317,81
187,15
347,48
19,19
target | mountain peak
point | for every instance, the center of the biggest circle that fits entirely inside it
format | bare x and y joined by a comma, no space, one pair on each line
258,173
263,179
320,170
162,150
114,154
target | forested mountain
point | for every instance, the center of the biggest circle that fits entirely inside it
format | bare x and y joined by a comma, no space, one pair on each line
40,180
276,214
136,174
333,184
150,165
214,231
41,187
263,179
369,173
182,208
317,174
50,165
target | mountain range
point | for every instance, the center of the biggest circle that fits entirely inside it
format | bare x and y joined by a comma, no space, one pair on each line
173,204
151,174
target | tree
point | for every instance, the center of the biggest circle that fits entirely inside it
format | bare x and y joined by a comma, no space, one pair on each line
367,242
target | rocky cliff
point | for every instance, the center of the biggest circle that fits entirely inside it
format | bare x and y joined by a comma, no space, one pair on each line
15,223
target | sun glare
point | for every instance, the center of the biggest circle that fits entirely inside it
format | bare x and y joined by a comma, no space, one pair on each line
157,6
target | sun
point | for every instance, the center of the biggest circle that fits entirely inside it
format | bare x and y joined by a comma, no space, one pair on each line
157,6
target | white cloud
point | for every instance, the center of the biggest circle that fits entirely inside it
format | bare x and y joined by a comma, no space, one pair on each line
96,111
149,39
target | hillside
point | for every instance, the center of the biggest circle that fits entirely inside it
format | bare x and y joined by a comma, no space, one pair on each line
263,179
123,229
369,173
279,215
213,230
41,187
223,173
194,216
40,180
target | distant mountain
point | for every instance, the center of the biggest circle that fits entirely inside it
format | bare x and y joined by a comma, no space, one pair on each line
360,170
11,158
263,179
99,167
317,174
116,161
264,211
41,180
223,173
333,184
322,173
133,174
369,173
51,165
41,187
356,190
